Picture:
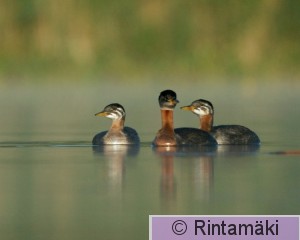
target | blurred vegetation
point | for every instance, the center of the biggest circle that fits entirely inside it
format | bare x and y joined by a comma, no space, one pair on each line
92,38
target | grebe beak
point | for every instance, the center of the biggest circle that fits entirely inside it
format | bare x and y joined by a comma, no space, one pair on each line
101,114
188,108
172,102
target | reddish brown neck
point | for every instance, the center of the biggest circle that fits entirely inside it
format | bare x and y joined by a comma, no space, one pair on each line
117,124
206,122
166,136
167,119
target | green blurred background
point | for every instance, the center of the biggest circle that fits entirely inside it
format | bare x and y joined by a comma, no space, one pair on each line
43,40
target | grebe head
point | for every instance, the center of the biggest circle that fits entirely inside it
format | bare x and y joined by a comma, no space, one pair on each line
167,100
200,107
114,111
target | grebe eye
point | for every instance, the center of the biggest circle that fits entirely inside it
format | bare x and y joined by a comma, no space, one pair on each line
203,108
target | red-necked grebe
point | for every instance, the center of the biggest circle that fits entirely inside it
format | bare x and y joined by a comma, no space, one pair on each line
224,134
117,134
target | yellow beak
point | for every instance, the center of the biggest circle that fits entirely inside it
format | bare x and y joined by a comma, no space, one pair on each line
101,114
188,108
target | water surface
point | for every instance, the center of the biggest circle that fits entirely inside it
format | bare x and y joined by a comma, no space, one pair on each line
55,185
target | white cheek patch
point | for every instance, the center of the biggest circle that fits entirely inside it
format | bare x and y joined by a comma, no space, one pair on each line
197,111
113,116
117,114
201,111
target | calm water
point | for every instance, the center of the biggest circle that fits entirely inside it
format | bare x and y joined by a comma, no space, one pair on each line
55,185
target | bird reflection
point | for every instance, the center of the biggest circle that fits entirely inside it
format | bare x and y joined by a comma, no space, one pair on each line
204,177
197,161
237,150
168,184
115,156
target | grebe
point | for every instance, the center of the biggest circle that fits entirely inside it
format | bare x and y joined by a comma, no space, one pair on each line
224,134
117,134
168,136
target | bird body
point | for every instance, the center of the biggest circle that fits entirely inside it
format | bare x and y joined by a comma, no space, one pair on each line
194,136
234,134
127,136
